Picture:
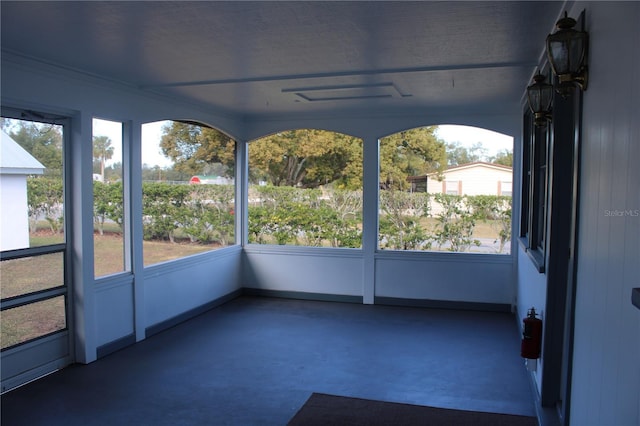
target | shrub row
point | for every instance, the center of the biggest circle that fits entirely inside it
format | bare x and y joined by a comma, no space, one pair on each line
287,215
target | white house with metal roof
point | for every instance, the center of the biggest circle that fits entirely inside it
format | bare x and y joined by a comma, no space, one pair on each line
477,178
15,165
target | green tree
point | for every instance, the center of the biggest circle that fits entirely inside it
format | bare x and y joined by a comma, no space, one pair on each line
455,223
208,216
503,157
286,215
400,220
161,207
113,172
45,199
458,155
42,141
196,149
304,158
102,151
307,158
107,204
412,152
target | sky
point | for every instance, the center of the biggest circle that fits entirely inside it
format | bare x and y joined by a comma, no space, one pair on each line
467,136
152,132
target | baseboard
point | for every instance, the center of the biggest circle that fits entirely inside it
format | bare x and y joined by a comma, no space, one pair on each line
443,304
116,345
171,322
299,295
547,416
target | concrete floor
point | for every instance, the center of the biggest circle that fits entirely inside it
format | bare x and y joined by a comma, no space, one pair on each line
254,361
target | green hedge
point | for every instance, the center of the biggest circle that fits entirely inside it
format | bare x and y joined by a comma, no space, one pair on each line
285,215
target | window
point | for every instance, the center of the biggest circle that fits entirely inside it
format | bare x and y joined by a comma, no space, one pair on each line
305,189
527,145
34,188
32,229
451,187
461,211
188,190
108,204
534,189
505,188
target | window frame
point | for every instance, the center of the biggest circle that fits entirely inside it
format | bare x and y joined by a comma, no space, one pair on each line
147,262
63,247
252,198
535,189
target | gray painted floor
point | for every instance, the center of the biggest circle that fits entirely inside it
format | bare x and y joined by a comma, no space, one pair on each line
254,361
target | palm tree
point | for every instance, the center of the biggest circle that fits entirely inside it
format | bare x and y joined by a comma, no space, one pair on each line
102,151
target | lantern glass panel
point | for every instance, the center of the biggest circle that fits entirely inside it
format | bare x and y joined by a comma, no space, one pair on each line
546,94
576,52
534,99
559,56
540,95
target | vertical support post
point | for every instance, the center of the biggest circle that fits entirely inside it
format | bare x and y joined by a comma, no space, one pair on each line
242,193
80,184
370,192
132,180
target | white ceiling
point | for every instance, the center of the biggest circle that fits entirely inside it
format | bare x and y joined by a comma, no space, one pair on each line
259,59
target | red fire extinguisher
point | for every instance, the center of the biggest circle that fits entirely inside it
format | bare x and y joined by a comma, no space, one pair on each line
531,336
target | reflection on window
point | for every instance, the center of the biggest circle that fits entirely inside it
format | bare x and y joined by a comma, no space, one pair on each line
188,190
108,206
306,189
445,195
31,184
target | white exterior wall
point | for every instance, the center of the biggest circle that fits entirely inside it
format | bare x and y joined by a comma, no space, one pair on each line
14,215
605,384
475,180
606,358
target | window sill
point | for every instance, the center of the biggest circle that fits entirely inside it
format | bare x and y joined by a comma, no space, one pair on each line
536,256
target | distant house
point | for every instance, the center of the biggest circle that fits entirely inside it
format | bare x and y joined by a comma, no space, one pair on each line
15,165
216,180
477,178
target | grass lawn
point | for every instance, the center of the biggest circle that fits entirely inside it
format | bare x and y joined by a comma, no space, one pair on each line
27,275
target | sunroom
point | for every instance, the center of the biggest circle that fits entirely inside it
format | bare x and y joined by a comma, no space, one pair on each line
248,77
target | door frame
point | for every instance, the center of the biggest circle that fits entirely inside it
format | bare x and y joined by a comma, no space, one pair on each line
43,355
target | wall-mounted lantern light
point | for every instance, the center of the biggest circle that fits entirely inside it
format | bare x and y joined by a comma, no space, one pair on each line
567,53
540,95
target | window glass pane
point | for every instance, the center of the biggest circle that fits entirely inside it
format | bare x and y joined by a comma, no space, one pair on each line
539,208
108,206
452,187
31,203
527,144
188,190
306,189
27,322
23,276
467,173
